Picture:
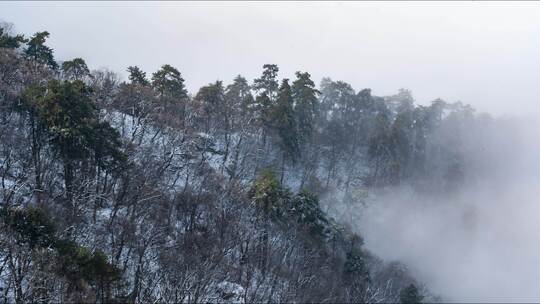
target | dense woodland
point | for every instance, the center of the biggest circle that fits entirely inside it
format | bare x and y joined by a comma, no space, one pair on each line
138,191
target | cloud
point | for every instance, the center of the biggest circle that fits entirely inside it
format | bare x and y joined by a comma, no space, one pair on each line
481,243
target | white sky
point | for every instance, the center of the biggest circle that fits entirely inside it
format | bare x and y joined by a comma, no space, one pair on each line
483,53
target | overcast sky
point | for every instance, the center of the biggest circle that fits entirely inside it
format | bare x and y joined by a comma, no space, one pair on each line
485,54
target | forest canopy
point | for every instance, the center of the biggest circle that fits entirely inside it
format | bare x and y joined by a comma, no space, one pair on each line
140,191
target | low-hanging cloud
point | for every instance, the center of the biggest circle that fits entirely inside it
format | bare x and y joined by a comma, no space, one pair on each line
481,242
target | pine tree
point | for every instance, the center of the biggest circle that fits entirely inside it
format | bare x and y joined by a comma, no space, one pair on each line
356,272
410,295
10,42
71,121
211,103
270,200
267,83
401,142
39,52
137,76
380,149
268,195
436,110
420,131
136,97
355,265
29,226
65,110
345,97
284,125
305,105
239,100
75,69
168,82
264,114
267,87
306,210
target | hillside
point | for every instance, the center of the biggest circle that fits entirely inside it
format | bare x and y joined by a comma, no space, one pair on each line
138,191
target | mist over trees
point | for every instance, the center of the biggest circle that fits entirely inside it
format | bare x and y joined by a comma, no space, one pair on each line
138,191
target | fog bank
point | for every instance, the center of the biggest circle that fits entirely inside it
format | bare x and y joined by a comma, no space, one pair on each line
478,244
